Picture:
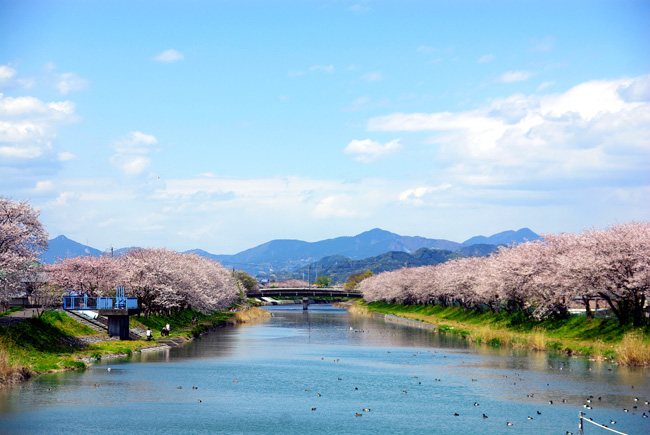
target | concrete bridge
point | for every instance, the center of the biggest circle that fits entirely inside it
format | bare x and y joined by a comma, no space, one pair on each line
304,292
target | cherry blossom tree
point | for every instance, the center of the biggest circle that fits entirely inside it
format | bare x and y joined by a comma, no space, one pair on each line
46,297
569,275
539,278
619,268
206,285
166,281
86,275
291,283
22,240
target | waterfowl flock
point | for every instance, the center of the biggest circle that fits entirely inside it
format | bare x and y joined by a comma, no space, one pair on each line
414,382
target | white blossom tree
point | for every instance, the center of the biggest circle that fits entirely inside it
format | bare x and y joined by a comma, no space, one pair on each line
166,281
22,240
86,275
619,266
538,278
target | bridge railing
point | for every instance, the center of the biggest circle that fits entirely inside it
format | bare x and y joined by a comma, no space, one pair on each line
303,292
98,303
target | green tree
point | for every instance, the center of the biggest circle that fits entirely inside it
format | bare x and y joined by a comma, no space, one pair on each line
323,281
245,280
354,279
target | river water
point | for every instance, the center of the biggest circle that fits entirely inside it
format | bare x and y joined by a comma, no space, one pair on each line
316,371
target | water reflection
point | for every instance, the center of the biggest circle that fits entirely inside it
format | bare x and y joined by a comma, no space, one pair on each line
267,377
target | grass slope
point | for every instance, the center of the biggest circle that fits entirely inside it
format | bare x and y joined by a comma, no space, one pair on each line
600,338
47,344
41,344
181,322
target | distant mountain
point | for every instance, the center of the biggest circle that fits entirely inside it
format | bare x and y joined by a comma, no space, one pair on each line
504,238
285,255
339,268
478,250
282,257
61,247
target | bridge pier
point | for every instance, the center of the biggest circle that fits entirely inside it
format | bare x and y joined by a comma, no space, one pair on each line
305,303
118,321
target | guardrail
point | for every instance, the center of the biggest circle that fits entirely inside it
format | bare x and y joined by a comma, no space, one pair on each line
98,303
314,291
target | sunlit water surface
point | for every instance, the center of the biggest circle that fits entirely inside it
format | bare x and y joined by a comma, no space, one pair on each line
316,371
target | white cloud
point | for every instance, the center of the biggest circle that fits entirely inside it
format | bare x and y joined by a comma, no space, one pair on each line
63,199
337,206
486,58
27,125
373,76
63,82
590,132
23,152
168,56
546,84
636,91
136,142
66,157
415,196
6,73
131,164
68,82
368,150
515,76
44,186
28,107
132,152
150,212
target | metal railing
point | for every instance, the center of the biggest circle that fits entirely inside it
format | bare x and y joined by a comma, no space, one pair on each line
98,303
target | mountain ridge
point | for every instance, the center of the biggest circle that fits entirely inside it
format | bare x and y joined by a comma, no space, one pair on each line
289,254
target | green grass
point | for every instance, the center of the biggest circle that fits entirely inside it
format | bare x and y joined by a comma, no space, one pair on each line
181,322
9,311
38,344
598,338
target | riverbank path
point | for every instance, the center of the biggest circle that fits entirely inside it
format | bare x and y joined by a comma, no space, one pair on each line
18,316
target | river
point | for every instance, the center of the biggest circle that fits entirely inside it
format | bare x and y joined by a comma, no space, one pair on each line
316,372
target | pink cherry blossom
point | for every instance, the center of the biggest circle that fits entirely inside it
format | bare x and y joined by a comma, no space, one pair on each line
22,239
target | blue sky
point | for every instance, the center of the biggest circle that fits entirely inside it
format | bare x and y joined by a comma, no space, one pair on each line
221,125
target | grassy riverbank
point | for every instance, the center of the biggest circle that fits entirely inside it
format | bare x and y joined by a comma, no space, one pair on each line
181,323
39,345
603,339
56,342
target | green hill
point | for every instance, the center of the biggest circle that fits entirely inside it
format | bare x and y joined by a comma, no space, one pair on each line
339,267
